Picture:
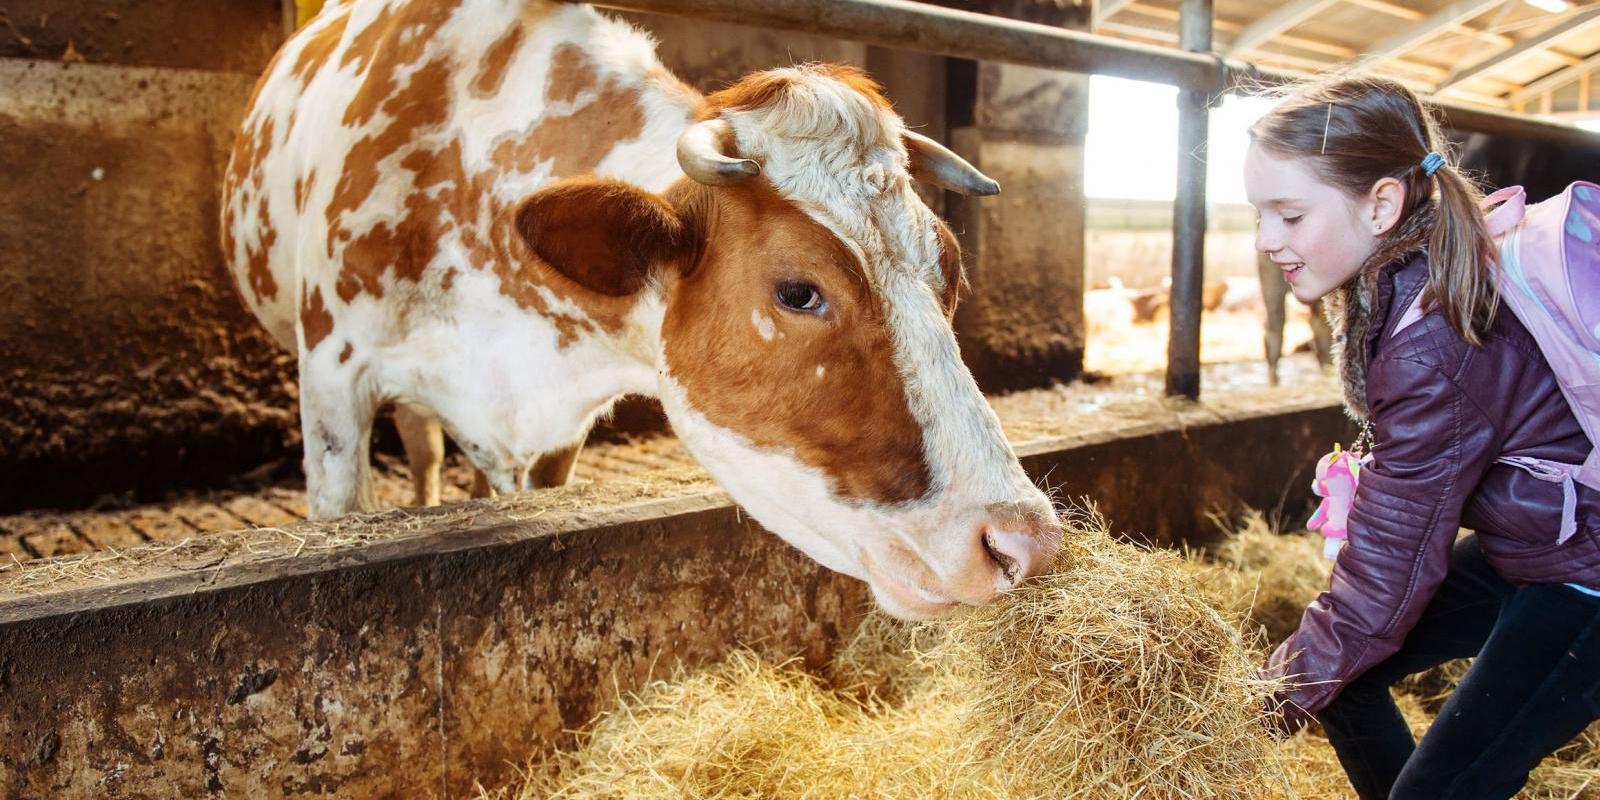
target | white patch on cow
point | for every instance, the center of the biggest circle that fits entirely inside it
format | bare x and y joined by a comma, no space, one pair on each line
821,371
791,499
763,323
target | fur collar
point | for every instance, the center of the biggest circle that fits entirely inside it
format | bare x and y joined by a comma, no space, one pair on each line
1354,308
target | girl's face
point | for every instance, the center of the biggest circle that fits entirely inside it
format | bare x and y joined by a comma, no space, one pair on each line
1316,234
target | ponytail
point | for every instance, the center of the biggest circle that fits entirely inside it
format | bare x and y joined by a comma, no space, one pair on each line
1460,259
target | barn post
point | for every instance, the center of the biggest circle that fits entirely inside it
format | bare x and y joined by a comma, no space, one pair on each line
1189,212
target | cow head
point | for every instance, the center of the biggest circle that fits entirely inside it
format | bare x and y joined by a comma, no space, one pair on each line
805,355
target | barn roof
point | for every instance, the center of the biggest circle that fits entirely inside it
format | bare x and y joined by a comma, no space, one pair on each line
1533,56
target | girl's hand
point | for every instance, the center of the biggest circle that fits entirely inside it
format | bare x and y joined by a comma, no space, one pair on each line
1284,718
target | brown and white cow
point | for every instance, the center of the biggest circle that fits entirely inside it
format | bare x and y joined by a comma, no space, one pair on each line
501,215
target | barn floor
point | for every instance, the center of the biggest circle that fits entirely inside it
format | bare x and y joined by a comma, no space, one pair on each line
267,502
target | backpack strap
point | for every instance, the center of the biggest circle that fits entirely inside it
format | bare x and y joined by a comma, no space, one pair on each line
1504,209
1553,472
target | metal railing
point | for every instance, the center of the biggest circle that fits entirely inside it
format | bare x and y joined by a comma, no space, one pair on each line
1201,75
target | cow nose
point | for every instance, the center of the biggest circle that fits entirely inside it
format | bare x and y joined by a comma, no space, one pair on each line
1019,546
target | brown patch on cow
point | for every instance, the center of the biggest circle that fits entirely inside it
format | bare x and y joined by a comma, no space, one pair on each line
344,355
954,277
302,189
364,46
241,187
571,72
259,268
448,279
760,88
366,259
856,426
392,43
576,143
320,42
315,321
423,104
496,62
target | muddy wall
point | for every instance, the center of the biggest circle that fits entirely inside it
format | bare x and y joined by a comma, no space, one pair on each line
130,368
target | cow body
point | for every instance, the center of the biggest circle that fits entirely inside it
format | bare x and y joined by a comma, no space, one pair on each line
504,214
380,248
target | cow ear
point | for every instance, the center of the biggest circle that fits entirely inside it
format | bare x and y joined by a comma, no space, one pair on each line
605,235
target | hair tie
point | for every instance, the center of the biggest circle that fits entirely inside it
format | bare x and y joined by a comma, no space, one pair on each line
1431,163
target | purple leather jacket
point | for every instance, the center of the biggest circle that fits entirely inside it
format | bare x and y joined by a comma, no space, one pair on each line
1442,412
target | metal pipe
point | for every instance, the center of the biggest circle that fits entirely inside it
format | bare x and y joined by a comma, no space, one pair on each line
947,31
964,34
1189,213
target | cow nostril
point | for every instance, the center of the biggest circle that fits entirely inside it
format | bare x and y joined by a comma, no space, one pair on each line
1008,565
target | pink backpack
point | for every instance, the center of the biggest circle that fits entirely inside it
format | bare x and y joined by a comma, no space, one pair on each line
1550,277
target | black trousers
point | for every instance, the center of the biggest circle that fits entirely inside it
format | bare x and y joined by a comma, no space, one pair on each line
1535,684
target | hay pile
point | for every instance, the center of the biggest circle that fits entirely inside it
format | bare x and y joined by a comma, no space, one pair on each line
1264,578
1111,677
1125,673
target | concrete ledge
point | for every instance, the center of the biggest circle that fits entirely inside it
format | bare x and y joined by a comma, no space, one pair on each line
408,655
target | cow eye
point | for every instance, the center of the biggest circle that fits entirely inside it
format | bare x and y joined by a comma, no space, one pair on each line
800,296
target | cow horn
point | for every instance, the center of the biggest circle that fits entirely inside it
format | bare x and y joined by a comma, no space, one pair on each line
934,163
701,157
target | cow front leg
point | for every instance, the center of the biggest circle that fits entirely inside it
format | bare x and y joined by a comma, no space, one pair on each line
555,467
336,426
423,438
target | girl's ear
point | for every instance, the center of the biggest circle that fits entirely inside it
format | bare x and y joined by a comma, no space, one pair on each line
1387,198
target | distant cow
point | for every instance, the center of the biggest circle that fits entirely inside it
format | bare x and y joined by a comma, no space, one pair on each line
1543,169
501,216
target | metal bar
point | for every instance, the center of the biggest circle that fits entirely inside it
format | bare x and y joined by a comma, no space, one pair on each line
1189,213
951,32
963,34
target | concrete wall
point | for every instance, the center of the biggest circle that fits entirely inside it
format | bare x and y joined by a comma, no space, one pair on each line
129,362
1022,324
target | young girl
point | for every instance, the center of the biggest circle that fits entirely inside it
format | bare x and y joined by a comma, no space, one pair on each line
1357,204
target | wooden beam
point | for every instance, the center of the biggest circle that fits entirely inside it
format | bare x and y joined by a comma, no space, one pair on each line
1140,32
1441,21
1229,26
1391,9
1580,21
1281,19
1108,9
1557,79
